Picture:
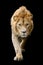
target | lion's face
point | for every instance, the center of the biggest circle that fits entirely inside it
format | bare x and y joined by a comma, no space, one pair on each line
23,27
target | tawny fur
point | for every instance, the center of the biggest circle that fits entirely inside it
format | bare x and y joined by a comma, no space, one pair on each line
21,14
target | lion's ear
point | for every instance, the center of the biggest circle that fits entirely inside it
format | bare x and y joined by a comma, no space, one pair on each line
30,16
15,18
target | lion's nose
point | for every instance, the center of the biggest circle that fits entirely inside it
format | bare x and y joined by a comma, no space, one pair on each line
24,31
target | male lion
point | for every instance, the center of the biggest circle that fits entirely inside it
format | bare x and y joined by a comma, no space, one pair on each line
22,26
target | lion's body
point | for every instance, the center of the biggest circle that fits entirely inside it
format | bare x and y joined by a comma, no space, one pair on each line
22,26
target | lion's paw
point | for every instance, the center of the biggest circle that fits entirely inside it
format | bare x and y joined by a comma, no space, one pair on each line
18,57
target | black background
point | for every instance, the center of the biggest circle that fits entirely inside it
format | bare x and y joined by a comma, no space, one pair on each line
33,44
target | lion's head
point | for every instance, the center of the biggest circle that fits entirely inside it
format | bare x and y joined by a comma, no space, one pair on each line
21,22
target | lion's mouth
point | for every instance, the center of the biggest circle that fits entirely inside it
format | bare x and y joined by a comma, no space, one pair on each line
24,35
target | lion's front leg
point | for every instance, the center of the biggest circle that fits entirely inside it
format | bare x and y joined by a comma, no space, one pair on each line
17,49
22,45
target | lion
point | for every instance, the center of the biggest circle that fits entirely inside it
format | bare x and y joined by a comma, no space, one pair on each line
21,28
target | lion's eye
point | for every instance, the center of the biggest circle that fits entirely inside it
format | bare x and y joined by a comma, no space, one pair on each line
27,24
19,24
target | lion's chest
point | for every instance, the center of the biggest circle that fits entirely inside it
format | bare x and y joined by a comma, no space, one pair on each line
19,39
